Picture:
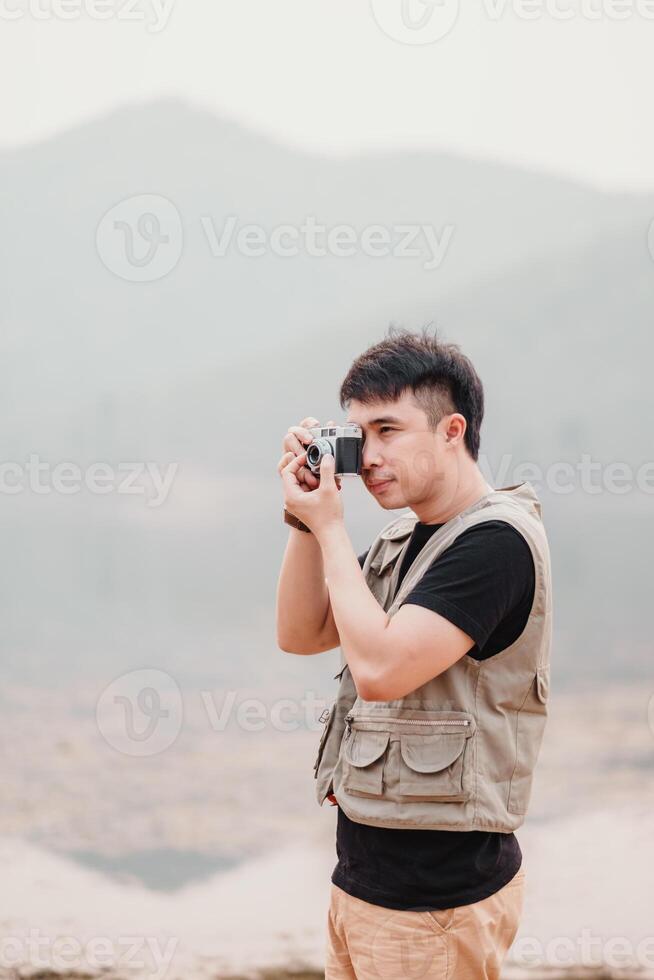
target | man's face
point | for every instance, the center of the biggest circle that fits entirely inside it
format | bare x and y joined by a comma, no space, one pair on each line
403,460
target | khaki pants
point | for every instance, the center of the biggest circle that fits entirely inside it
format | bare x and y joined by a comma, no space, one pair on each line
370,942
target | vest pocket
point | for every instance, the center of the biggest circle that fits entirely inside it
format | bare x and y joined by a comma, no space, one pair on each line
364,756
432,767
408,756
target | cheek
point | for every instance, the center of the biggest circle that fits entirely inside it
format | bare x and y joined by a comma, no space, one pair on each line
417,466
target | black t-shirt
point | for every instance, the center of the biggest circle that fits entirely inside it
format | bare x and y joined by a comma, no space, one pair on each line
484,584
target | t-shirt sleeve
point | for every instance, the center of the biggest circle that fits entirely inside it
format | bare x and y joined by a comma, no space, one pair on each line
479,580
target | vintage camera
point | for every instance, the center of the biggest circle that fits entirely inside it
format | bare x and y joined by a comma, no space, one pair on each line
343,442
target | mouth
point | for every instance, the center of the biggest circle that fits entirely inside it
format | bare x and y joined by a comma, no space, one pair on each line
377,486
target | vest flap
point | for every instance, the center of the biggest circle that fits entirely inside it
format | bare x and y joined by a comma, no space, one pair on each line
399,528
387,555
363,747
393,538
431,753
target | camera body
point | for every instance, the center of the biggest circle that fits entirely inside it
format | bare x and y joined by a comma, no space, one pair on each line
343,442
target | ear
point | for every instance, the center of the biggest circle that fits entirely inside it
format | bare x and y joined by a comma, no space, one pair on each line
456,427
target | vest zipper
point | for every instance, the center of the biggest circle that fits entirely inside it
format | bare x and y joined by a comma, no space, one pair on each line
400,721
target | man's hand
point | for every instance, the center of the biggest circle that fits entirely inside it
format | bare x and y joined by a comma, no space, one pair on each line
296,438
319,509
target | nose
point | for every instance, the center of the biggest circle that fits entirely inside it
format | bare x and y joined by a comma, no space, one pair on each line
370,454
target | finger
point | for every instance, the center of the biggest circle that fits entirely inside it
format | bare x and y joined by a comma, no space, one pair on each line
327,478
289,475
294,465
309,478
284,461
292,444
310,421
298,436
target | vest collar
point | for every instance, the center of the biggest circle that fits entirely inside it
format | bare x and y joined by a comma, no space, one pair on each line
401,528
522,493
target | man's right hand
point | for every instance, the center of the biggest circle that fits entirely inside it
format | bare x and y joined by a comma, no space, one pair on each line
295,442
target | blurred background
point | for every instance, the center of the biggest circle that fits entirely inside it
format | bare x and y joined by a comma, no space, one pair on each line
207,212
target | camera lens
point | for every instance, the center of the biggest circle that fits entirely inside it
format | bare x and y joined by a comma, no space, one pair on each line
314,454
316,451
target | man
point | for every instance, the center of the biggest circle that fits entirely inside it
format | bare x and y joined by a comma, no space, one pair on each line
444,626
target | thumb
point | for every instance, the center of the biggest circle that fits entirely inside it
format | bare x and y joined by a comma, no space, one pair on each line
332,465
327,467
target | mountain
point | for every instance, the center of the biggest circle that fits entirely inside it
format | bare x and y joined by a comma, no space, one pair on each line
76,336
547,284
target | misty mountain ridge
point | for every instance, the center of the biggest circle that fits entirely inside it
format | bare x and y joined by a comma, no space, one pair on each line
547,285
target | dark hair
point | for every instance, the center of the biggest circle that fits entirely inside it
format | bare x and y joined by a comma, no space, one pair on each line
442,379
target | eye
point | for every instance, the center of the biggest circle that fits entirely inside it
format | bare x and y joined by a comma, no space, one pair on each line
386,428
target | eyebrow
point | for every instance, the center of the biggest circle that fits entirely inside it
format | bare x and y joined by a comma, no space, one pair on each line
382,419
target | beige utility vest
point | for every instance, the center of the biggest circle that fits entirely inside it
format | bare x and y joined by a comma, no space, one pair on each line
458,753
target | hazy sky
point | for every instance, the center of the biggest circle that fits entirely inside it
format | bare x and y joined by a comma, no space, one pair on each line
562,85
